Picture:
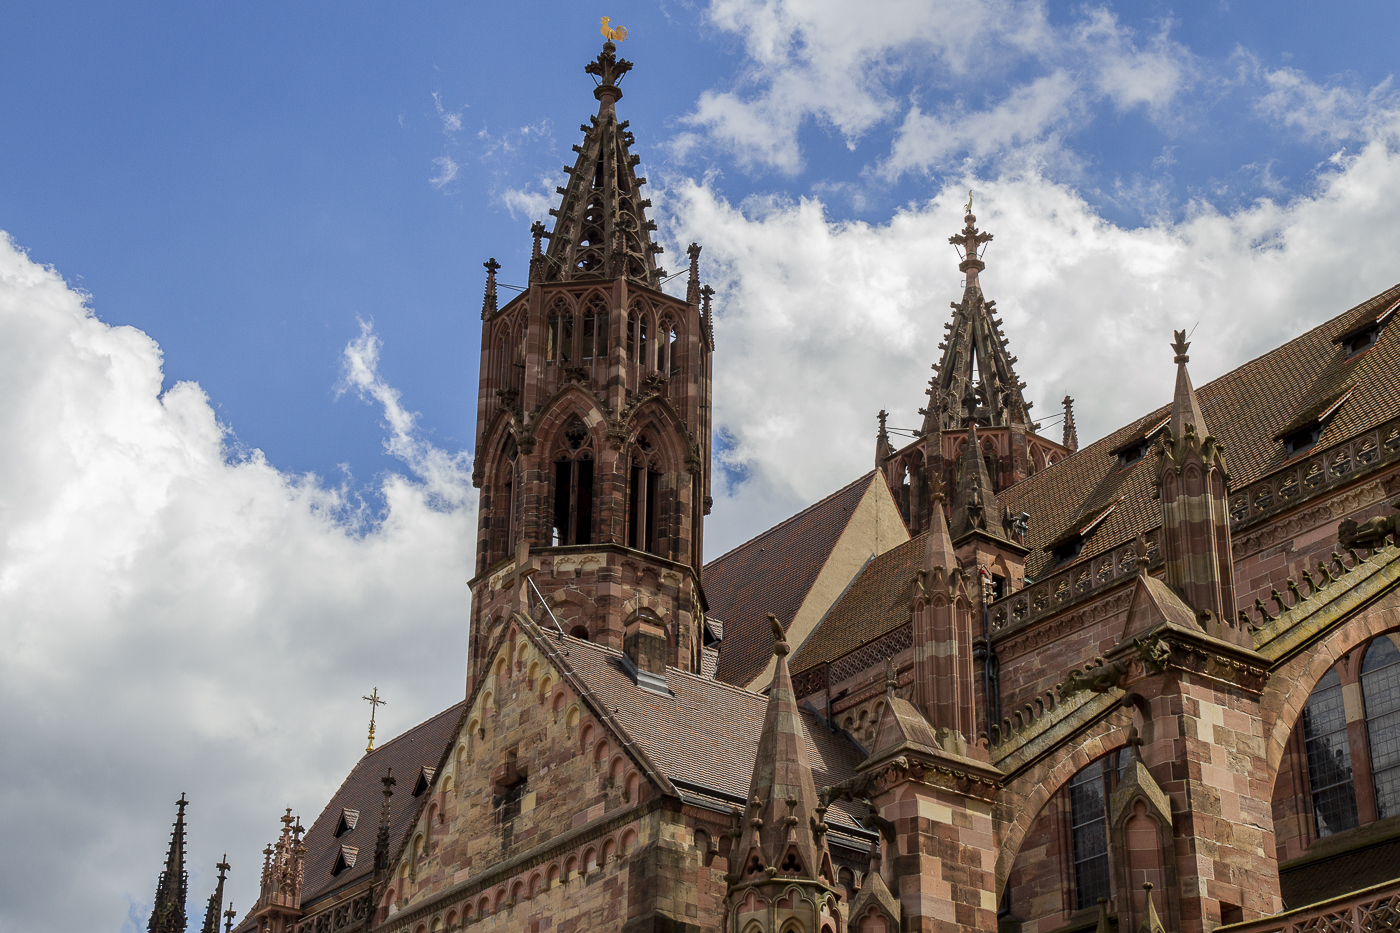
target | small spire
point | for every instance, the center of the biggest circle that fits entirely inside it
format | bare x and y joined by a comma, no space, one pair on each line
1104,926
969,242
216,900
706,293
488,304
883,447
230,915
692,288
891,678
1151,923
939,550
975,505
1071,436
168,912
374,703
381,841
537,231
1186,410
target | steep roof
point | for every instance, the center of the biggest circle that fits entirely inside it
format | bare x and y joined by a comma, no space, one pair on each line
707,732
773,573
876,603
1245,409
418,748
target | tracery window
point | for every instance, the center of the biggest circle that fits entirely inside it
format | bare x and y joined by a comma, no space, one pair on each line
1329,757
559,333
573,485
643,497
1088,803
1380,689
593,331
673,355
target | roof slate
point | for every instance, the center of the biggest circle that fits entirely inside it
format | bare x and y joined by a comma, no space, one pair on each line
773,573
418,748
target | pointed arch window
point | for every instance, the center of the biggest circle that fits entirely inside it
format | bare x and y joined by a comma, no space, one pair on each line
593,331
1329,758
1088,805
1380,689
504,503
643,498
643,344
667,361
573,485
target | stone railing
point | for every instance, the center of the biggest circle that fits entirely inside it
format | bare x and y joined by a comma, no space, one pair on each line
1075,583
1311,474
347,915
814,679
1371,910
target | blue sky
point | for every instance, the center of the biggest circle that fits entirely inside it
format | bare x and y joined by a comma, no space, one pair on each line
278,213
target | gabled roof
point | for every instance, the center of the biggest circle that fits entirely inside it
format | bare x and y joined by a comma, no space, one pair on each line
707,732
773,573
408,754
1245,409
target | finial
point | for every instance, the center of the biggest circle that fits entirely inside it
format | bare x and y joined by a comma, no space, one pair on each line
374,703
968,211
488,303
1180,346
1134,743
617,34
780,645
229,916
608,69
692,289
891,678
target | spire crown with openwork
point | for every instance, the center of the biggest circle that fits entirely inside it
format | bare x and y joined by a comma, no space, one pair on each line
168,912
601,228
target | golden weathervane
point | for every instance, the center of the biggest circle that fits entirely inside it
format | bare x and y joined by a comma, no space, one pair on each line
613,35
969,201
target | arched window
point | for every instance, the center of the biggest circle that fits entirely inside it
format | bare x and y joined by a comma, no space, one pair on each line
573,485
1329,757
1088,806
503,501
551,335
643,498
643,346
673,351
593,336
632,317
1380,688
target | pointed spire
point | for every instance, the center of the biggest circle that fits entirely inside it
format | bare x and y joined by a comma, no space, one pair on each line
1071,436
601,227
216,900
488,303
938,551
168,912
974,351
783,837
706,293
1186,410
975,504
883,447
537,232
1151,923
692,288
381,841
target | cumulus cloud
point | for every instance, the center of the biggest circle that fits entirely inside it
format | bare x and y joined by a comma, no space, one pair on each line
821,323
180,615
823,61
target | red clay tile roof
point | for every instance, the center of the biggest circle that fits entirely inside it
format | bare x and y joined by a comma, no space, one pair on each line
876,603
419,747
773,573
1244,408
707,732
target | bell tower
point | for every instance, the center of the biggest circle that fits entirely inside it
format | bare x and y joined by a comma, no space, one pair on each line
593,415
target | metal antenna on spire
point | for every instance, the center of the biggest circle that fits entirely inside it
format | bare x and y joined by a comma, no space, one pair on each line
374,703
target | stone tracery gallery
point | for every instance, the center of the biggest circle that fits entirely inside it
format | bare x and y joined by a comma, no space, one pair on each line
1149,684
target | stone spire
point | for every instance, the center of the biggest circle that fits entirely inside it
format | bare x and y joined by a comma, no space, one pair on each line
783,839
692,286
488,303
1070,436
168,912
975,502
216,900
284,865
974,352
601,228
883,447
1193,485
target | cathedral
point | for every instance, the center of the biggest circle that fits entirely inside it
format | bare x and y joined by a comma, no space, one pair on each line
998,683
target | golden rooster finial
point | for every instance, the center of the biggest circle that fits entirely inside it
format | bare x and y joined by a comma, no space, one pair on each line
969,202
613,35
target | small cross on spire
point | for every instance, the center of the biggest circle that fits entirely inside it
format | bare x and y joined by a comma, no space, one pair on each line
374,703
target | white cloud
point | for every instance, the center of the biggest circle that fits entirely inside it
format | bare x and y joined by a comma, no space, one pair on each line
179,617
447,170
1329,111
451,119
820,324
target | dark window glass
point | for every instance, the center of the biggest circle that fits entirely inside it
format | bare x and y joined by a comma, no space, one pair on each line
1089,835
1380,688
1329,758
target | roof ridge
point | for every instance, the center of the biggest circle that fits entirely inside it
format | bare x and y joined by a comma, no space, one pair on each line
791,518
608,649
407,732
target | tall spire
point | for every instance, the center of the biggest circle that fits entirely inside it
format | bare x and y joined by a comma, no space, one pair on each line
168,912
216,900
1193,485
783,839
974,351
602,228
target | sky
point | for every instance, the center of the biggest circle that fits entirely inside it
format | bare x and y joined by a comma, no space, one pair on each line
240,283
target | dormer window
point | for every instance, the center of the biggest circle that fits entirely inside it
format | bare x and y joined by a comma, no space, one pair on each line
347,821
1306,429
345,859
425,781
1137,448
1070,545
1365,333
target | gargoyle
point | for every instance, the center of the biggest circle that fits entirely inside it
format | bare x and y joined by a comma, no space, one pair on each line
1367,534
1096,679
